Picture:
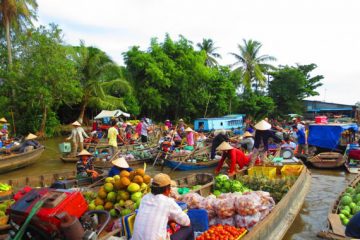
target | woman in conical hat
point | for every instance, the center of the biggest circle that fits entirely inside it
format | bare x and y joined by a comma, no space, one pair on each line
247,142
234,155
84,167
119,165
189,136
29,142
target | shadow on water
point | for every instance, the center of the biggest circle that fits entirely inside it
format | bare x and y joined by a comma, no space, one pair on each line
325,186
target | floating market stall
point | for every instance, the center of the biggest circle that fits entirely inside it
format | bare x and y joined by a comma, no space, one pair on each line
343,208
352,158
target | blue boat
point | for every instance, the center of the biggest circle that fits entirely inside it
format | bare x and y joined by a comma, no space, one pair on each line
188,166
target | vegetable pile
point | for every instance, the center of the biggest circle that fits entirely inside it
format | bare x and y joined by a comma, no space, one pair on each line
222,232
3,207
224,185
349,204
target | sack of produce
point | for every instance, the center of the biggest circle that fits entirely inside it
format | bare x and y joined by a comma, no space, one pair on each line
266,201
213,221
247,221
175,194
193,200
226,221
225,207
247,204
209,204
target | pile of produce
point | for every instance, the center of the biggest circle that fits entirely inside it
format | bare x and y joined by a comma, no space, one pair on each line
234,209
276,187
137,155
120,194
222,232
4,187
224,185
3,207
349,204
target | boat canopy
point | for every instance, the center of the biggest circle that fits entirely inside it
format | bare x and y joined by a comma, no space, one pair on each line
109,114
328,135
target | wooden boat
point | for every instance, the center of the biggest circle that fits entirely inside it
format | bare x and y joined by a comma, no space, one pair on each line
335,230
187,166
204,179
46,180
327,160
18,160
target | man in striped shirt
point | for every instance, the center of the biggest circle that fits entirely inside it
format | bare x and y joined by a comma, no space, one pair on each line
157,210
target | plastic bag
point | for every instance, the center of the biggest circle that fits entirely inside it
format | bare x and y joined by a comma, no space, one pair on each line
247,221
225,207
209,204
213,221
226,221
247,204
175,194
267,202
193,200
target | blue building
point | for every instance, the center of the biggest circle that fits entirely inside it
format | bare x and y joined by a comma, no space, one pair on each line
314,108
227,122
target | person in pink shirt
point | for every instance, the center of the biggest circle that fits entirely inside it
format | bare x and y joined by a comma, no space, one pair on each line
189,136
138,128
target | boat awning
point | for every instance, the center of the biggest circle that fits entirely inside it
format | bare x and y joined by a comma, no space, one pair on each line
115,113
328,136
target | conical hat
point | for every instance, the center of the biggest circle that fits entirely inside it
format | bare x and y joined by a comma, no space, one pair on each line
188,129
120,162
247,134
30,136
84,153
76,123
224,146
3,120
262,125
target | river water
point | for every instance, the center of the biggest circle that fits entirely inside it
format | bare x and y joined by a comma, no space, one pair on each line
325,187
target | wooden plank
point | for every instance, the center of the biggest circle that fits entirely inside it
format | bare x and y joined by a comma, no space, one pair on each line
336,225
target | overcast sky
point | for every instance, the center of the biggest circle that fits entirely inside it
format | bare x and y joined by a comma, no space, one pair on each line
324,32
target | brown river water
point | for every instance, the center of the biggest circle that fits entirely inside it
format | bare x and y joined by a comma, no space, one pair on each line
325,187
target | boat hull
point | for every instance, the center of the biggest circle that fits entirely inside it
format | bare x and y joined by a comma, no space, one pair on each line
188,166
20,160
327,160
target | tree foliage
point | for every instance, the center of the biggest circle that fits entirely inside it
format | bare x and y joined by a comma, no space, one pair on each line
207,45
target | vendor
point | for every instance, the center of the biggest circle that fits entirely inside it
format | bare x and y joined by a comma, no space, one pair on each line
190,137
77,136
128,131
168,125
84,167
119,165
220,137
301,140
4,129
235,156
247,142
157,210
288,144
353,227
29,142
181,127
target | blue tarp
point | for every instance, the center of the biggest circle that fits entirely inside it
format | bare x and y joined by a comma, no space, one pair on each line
328,136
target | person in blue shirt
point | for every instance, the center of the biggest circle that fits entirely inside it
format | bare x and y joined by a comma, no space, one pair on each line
119,165
302,141
353,227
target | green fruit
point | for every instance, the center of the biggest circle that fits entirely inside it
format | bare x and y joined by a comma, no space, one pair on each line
345,221
111,197
346,200
108,187
3,207
352,205
2,213
113,213
116,177
355,210
217,193
91,206
122,203
356,198
350,190
99,207
143,187
136,196
109,180
133,187
342,216
347,208
124,195
345,212
125,212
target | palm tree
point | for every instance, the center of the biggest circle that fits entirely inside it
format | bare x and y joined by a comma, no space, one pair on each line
100,79
254,67
207,45
16,14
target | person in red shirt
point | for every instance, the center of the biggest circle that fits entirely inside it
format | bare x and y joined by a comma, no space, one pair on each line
235,156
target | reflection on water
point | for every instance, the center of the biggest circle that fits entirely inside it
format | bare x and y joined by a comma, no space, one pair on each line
325,187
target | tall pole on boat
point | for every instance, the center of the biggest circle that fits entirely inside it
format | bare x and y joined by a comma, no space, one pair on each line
13,121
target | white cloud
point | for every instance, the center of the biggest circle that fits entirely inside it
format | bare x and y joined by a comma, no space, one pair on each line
324,32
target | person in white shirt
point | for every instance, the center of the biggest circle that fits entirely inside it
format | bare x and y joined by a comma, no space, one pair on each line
288,144
77,135
157,210
144,130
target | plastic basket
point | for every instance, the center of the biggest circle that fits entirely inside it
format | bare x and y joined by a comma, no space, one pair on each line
257,171
241,235
291,170
65,147
182,205
199,219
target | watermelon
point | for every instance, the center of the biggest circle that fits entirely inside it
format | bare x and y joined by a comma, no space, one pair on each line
355,210
350,190
356,198
346,200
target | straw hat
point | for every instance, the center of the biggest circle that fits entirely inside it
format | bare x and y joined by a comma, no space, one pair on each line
224,146
262,125
3,120
30,136
76,123
120,162
188,129
84,153
129,123
161,180
167,120
247,134
181,120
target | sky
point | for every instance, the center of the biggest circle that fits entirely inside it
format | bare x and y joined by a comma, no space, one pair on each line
324,32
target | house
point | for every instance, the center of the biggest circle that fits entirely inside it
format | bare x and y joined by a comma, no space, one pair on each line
315,108
227,122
